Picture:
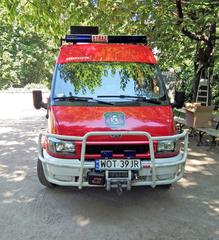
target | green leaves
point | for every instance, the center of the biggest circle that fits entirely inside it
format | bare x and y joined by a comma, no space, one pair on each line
172,35
24,57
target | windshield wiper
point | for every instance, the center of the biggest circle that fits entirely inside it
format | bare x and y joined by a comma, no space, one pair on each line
138,98
85,99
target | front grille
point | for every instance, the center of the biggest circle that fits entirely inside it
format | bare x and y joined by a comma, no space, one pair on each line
118,174
117,149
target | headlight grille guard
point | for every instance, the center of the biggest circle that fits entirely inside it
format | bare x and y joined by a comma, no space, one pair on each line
183,135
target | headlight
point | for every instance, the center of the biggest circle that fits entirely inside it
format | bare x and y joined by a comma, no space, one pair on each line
167,146
59,146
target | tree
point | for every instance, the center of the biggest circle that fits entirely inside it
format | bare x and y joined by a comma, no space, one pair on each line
204,35
25,57
183,31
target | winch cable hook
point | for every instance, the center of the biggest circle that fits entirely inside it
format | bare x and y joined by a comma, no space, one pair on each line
119,189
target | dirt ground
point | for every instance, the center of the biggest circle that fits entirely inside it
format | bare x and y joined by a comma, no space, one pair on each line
189,210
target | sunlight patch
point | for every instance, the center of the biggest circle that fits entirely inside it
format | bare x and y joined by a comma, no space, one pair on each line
17,176
203,161
197,154
191,197
214,206
7,194
82,221
7,130
197,168
9,143
187,183
12,200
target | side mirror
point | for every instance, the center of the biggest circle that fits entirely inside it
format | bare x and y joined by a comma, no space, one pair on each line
179,100
38,100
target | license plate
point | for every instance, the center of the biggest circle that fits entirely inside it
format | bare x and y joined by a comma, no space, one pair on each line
117,164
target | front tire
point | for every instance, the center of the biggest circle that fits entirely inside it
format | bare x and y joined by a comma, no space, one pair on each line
165,186
42,177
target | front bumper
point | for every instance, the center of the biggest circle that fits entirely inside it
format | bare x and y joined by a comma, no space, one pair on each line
155,171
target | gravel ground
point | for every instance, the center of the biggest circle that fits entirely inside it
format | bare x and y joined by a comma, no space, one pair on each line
189,210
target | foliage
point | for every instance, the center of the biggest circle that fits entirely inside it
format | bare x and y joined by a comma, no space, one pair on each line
25,57
184,32
34,86
179,30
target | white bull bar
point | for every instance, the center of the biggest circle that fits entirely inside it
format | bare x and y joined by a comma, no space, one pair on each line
152,183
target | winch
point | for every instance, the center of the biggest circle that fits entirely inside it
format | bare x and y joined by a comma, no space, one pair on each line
111,179
119,180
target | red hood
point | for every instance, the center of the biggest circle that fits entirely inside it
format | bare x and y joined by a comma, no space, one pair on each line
77,121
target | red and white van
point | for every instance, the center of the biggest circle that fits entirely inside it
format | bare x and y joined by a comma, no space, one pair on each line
110,121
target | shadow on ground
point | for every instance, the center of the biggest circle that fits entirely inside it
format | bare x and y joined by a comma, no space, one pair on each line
189,210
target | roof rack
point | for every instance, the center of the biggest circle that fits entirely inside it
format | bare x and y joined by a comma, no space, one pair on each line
80,34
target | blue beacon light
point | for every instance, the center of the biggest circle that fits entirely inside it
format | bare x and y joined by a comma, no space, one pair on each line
84,38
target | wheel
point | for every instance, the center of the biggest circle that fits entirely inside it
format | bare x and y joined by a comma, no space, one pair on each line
41,176
165,186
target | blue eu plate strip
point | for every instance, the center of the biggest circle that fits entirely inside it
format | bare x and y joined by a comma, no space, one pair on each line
97,165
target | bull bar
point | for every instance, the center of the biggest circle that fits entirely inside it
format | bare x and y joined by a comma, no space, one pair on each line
152,161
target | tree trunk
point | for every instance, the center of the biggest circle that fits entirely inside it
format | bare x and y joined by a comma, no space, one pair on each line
204,63
205,40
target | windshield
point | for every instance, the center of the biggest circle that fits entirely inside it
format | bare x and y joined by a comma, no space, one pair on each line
115,82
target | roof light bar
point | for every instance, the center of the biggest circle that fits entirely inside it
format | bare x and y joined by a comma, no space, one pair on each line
82,38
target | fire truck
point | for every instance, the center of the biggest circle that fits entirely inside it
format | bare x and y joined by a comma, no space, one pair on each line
110,121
